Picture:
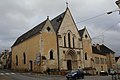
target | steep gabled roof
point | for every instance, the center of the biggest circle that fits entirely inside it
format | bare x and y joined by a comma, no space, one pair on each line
105,49
116,58
81,32
102,49
56,22
30,33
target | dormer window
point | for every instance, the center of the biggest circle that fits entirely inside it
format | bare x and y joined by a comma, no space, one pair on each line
48,29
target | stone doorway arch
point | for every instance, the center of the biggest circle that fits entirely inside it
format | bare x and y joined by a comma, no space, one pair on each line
71,59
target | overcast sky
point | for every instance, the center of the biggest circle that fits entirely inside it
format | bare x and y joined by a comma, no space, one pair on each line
19,16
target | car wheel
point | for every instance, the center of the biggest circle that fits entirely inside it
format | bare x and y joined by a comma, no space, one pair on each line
75,78
68,79
82,77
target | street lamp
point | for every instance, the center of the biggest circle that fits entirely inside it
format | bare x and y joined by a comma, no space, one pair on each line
118,3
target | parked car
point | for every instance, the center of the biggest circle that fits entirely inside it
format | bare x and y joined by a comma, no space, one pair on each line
75,74
103,73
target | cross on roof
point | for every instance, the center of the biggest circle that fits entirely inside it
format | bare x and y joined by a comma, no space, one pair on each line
66,4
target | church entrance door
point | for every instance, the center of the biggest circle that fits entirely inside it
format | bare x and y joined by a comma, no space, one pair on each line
69,64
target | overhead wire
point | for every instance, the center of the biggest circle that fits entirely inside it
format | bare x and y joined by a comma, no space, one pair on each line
107,29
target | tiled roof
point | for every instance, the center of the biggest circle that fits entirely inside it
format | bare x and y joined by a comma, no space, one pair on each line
30,33
102,49
81,32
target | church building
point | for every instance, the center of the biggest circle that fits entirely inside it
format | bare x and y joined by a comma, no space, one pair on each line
56,44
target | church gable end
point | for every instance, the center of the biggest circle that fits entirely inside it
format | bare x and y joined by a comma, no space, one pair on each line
48,27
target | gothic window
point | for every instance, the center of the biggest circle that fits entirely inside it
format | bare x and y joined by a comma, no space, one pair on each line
51,54
73,43
16,60
69,45
64,41
24,58
85,56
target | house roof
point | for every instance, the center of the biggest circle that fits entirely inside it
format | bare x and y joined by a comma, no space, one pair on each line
30,33
81,32
102,49
116,58
56,22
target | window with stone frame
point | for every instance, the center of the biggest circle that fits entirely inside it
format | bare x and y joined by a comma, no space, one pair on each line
97,60
24,58
51,54
73,42
69,42
102,60
16,60
64,41
85,56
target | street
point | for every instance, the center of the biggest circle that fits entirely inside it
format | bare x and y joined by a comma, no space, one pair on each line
10,75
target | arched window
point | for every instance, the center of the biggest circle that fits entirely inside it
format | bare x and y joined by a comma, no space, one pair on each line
16,60
73,42
64,41
51,54
85,56
24,58
69,45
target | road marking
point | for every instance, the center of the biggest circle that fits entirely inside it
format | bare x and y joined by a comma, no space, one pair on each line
7,73
1,73
12,73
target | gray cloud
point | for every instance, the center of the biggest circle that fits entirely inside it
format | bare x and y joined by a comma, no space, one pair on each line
18,16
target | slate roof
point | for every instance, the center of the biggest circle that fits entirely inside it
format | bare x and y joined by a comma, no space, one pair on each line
56,22
30,33
116,58
103,50
81,32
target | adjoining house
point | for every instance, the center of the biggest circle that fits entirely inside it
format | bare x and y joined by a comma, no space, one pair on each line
56,44
5,60
0,61
104,58
117,59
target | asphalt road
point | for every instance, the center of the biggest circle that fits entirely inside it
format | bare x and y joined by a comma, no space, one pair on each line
10,75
